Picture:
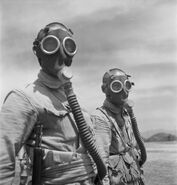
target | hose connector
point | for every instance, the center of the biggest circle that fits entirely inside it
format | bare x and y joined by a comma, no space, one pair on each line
64,74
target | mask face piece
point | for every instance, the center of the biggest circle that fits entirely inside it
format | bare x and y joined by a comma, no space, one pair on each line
116,86
117,90
54,48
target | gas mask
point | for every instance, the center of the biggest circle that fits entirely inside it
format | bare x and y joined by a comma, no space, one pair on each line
116,86
55,48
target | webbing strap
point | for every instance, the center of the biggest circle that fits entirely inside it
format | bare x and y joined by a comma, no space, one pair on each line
115,126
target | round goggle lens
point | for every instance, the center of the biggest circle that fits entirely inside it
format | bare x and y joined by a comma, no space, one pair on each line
50,44
116,86
128,85
69,46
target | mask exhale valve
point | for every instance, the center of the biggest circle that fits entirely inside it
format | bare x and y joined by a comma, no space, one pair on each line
86,135
65,74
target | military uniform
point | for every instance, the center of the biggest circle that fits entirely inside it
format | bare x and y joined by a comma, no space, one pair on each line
117,145
65,159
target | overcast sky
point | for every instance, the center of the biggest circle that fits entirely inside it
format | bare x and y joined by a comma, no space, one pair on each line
137,36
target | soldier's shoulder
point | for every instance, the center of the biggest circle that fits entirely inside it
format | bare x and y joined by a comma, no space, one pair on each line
98,113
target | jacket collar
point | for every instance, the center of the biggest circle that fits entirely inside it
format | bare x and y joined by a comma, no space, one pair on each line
49,81
111,107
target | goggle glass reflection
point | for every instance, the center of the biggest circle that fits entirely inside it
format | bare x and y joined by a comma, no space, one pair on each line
51,44
116,86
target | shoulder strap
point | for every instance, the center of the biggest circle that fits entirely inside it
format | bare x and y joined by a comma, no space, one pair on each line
115,125
110,120
30,101
37,127
22,93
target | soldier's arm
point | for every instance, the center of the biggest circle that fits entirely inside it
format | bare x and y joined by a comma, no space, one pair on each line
17,118
103,137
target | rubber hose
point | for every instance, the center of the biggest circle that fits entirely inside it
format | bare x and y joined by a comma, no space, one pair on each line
138,136
84,131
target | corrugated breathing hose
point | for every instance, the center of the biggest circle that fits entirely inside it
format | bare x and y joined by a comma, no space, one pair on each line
84,131
137,135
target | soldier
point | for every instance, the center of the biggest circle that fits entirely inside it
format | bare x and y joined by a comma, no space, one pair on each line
39,121
117,132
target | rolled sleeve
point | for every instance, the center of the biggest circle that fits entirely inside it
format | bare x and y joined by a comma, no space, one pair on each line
17,118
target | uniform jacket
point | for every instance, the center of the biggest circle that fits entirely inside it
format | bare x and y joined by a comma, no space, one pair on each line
44,101
115,137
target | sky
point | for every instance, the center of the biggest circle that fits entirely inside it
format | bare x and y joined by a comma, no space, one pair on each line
137,36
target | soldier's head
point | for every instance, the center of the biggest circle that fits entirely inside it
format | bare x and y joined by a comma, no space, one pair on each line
54,47
116,86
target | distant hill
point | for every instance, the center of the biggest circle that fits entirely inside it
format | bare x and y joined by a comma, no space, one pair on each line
149,133
159,137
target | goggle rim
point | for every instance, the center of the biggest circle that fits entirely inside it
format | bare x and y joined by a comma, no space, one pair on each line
125,85
114,91
69,53
50,52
